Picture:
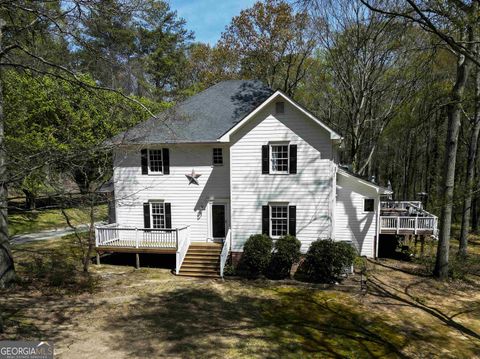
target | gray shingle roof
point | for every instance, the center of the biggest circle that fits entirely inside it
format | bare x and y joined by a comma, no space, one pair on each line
203,117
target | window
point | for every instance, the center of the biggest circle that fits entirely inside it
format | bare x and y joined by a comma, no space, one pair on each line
278,220
157,214
280,107
217,156
155,161
279,158
369,205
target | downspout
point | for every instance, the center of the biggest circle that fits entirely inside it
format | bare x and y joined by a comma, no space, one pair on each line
333,201
377,234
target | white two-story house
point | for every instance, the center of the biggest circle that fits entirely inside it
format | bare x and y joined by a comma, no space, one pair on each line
234,160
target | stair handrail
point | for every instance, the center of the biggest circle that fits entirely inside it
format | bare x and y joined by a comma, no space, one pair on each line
225,252
183,243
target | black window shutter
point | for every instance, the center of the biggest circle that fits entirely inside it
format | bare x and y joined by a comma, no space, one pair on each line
146,215
293,159
166,161
168,215
266,220
292,220
265,160
144,156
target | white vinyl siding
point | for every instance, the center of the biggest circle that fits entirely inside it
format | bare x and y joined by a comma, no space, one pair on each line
310,190
352,222
189,203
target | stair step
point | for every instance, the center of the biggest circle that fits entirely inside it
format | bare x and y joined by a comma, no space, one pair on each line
204,250
200,275
202,256
201,260
200,265
200,270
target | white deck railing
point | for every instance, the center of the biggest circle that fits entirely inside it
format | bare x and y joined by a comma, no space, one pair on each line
225,252
400,204
411,224
182,247
113,235
136,237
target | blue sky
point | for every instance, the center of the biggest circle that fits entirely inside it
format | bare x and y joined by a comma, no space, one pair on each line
208,18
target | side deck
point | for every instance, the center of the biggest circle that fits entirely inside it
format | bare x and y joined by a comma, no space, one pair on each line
191,258
407,218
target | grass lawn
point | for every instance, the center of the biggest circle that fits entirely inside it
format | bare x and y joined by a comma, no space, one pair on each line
35,221
128,313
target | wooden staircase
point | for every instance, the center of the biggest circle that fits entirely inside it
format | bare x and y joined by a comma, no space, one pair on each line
202,260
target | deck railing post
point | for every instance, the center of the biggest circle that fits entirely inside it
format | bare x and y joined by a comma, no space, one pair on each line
136,237
176,237
398,225
416,225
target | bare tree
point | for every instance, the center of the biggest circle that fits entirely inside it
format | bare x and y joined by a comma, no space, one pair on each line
470,175
372,72
456,23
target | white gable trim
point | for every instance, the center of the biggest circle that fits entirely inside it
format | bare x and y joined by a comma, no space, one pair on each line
226,136
377,188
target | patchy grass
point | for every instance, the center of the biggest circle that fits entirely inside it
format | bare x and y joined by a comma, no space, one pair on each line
151,313
35,221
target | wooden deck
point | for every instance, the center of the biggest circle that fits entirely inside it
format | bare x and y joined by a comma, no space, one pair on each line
407,218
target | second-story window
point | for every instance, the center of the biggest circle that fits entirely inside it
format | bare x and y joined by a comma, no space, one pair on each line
217,157
279,155
155,161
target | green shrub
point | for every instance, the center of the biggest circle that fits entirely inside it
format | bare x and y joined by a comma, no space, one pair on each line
256,255
286,252
326,260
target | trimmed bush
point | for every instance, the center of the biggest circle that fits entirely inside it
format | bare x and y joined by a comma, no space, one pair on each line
286,252
256,255
326,260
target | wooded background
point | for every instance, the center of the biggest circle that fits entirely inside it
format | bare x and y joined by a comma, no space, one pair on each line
399,80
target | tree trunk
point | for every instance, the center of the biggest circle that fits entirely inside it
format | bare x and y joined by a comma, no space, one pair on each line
91,236
7,268
469,180
30,200
454,122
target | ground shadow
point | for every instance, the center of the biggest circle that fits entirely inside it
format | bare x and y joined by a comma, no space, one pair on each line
147,260
203,322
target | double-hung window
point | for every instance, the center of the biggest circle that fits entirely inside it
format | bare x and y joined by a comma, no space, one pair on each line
155,161
217,157
279,158
278,220
157,214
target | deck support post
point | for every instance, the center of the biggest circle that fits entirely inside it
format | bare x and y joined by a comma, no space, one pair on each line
422,246
98,259
137,260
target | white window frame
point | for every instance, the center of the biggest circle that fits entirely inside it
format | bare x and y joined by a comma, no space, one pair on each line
161,159
364,201
213,156
162,203
278,204
270,149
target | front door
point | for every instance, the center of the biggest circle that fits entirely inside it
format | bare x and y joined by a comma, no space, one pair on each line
218,221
